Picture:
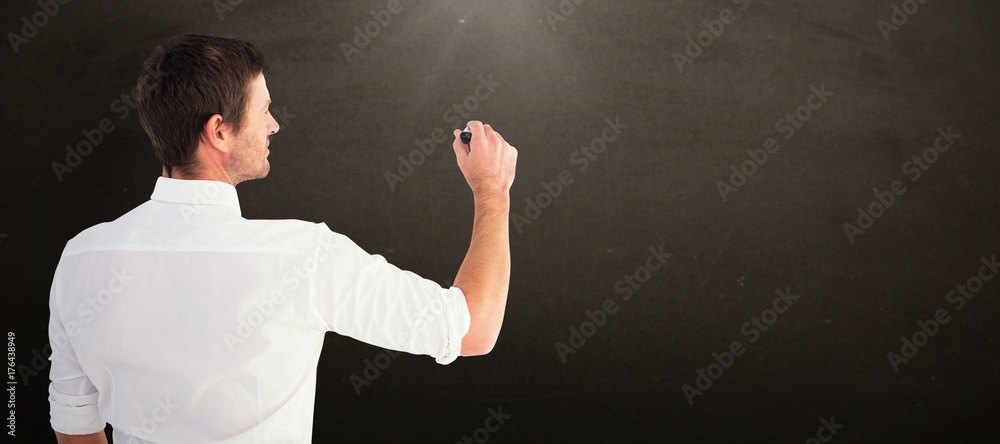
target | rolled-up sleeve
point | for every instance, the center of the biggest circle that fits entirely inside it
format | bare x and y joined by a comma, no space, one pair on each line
72,396
362,296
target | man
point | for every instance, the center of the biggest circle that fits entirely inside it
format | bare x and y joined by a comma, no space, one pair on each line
183,322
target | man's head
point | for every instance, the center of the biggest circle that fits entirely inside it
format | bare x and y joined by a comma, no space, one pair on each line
204,104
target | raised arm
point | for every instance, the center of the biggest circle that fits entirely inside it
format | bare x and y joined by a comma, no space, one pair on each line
485,273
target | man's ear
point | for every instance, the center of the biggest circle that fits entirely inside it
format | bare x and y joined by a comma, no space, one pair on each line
216,133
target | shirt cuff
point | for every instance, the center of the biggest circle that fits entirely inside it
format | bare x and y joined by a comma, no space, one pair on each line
74,415
457,320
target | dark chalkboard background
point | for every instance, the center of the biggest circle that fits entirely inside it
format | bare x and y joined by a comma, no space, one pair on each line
562,70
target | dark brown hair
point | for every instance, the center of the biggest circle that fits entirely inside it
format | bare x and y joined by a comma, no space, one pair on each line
186,81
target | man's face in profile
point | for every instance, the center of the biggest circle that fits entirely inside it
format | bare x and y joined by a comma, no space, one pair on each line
248,159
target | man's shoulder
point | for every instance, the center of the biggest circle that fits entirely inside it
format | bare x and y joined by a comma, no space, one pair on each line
98,233
281,226
89,236
294,231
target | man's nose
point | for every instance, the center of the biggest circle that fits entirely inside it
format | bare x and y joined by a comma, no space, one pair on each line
273,125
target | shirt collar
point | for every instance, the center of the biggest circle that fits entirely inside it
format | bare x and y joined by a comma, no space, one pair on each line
196,192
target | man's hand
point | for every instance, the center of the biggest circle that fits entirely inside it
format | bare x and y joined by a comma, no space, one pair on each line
489,165
485,272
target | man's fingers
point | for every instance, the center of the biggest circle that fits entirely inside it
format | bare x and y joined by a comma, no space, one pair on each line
484,133
476,128
461,152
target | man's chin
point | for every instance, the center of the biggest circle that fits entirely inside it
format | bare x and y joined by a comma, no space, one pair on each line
262,173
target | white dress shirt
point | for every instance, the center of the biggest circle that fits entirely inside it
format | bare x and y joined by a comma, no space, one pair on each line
183,322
